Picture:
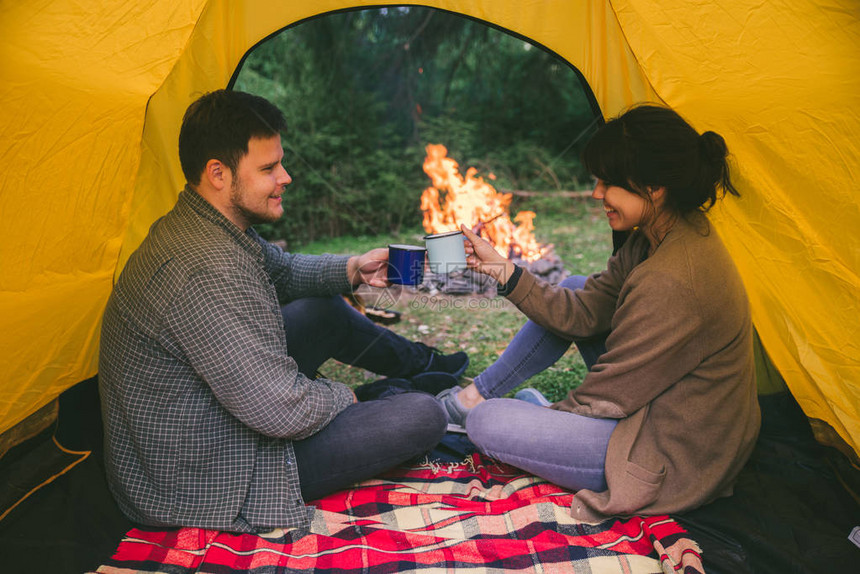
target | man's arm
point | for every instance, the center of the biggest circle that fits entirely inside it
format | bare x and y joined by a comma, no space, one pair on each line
296,275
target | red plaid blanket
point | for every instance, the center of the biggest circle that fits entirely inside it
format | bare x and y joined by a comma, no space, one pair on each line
476,515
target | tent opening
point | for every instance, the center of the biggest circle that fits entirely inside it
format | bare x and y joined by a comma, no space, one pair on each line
366,91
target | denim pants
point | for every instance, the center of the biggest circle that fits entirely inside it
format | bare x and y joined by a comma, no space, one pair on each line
323,328
369,437
564,448
366,439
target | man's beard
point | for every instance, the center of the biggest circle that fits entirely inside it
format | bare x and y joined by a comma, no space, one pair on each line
237,196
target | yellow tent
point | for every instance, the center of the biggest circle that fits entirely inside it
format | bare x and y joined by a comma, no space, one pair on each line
91,96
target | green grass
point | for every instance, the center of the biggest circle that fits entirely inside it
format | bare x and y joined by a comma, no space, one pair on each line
484,326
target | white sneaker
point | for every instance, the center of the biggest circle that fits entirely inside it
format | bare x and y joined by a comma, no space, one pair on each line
532,396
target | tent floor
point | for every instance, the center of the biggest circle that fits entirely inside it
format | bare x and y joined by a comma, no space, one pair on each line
792,510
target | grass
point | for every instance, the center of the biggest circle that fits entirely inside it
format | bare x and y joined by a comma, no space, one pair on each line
484,326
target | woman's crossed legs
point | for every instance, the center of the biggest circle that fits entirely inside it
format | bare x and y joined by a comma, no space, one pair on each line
564,448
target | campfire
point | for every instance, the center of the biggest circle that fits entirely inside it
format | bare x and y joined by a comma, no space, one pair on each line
453,199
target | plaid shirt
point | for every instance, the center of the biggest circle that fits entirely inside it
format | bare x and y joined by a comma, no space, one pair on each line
200,399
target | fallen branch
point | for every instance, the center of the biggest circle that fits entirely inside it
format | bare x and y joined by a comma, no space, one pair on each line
525,193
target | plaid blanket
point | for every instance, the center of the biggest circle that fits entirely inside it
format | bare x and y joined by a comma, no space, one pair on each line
475,515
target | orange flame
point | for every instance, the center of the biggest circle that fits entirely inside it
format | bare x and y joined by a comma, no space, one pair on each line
472,201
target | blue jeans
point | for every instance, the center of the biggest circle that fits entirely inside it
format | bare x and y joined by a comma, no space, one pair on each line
531,351
323,328
564,448
369,437
366,439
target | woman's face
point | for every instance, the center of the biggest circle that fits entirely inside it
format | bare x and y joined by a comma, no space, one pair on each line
624,209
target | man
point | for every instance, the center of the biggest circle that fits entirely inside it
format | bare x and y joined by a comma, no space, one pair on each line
213,417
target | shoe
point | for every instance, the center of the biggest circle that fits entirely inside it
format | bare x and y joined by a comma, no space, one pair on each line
430,383
532,396
454,364
433,382
381,388
454,409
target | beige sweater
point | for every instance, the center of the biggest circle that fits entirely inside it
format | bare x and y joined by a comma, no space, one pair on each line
678,371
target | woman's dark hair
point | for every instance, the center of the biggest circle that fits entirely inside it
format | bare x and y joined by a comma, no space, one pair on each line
219,126
653,146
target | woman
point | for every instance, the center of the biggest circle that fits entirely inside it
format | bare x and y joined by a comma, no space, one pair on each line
667,414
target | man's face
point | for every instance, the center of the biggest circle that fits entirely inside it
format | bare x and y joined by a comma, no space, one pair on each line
259,182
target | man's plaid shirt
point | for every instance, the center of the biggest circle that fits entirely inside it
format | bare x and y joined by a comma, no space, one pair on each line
199,396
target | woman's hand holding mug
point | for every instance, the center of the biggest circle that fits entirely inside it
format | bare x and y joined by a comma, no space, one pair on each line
482,257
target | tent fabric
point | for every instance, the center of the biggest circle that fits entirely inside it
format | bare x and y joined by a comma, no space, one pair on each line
92,96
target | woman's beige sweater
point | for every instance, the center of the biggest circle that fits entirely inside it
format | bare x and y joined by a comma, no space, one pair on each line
678,370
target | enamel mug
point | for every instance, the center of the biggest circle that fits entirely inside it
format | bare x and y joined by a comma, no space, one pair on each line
406,264
445,252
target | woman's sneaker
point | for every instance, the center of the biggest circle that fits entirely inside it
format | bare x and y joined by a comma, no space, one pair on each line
454,409
532,396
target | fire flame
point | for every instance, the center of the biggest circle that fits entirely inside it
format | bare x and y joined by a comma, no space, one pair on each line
472,201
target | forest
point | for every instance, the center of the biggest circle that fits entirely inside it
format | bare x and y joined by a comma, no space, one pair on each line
365,91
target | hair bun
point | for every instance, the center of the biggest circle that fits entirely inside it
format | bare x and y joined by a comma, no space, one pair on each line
713,147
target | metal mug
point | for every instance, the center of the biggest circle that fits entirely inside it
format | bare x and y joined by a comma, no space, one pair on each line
446,252
406,264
